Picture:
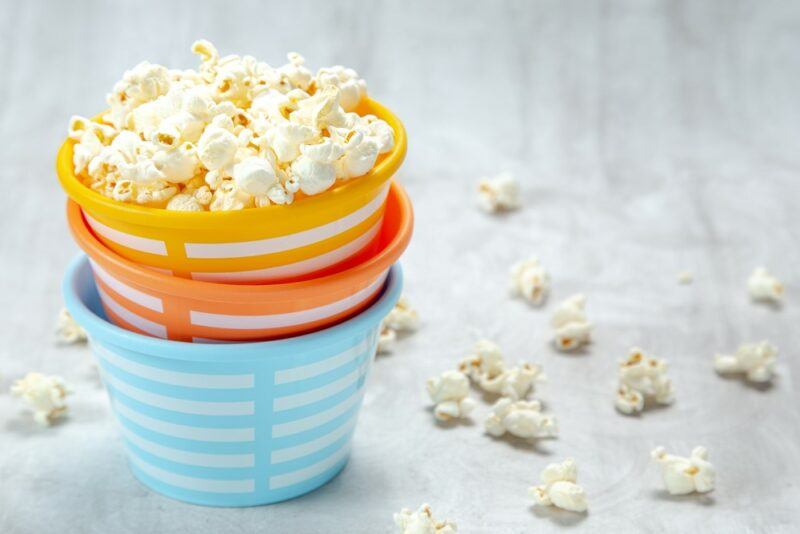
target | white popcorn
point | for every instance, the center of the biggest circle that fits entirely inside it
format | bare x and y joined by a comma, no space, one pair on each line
560,488
764,287
755,360
254,176
402,318
686,475
45,395
523,419
530,281
572,329
642,377
450,393
273,132
485,366
422,522
499,193
685,277
68,331
184,202
484,362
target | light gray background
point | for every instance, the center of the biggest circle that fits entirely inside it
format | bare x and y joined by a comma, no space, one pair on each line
650,137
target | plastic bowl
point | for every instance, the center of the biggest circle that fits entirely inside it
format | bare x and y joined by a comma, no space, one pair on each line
148,302
235,424
273,243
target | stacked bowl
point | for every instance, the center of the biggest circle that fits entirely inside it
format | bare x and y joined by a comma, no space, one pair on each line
235,345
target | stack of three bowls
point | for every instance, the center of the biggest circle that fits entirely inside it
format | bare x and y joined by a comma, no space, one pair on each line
268,320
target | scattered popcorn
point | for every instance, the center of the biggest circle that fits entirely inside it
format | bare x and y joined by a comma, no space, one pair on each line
254,134
685,277
422,522
485,367
560,488
764,287
572,329
68,331
642,377
499,193
686,475
530,281
523,419
450,394
402,318
755,360
45,395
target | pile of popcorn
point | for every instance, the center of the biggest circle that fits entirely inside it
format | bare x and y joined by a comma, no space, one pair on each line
237,133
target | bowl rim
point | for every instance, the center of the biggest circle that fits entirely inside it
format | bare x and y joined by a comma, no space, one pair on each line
227,292
160,217
79,272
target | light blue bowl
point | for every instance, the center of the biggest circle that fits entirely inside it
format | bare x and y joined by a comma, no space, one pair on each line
234,424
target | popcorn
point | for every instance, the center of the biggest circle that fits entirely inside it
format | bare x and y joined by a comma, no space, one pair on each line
572,329
686,475
270,131
500,193
487,369
764,287
68,331
560,488
422,522
642,377
449,392
45,395
402,318
530,281
755,360
523,419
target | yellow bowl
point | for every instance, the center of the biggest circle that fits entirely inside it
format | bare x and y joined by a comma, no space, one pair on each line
256,245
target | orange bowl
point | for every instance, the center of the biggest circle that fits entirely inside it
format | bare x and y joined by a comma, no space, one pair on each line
149,302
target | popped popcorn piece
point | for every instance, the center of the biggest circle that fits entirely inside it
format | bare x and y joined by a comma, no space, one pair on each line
642,377
764,287
450,393
486,368
530,281
499,193
68,331
755,360
560,488
523,419
686,475
402,318
572,329
272,131
685,277
45,395
422,522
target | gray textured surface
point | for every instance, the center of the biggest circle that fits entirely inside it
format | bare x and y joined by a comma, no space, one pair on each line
651,137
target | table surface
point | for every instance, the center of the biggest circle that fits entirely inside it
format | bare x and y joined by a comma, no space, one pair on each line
650,138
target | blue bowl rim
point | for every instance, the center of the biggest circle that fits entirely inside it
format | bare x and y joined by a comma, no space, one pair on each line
102,330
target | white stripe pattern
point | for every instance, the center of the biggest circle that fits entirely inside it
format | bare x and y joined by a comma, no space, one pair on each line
145,325
307,423
134,295
194,433
180,405
298,451
142,244
253,322
192,483
192,380
311,370
297,400
301,475
301,267
189,458
272,245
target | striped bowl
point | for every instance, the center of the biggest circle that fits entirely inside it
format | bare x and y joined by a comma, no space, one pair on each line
269,244
148,302
237,424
